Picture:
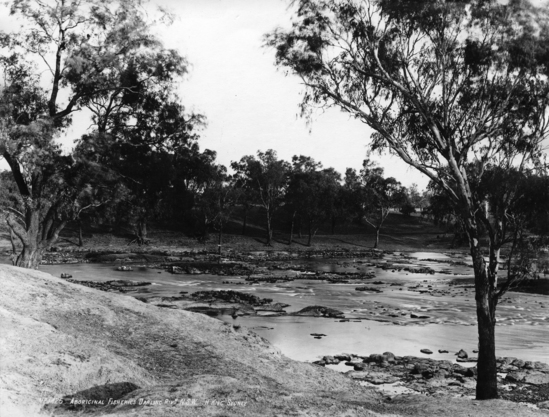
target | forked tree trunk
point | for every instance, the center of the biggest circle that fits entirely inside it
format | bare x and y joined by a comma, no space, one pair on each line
30,257
36,238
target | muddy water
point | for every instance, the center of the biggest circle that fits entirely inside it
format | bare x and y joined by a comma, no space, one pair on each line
443,303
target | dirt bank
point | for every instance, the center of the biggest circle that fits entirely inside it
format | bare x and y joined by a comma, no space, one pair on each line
59,339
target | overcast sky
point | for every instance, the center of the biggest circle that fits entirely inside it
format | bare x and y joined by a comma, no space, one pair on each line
249,104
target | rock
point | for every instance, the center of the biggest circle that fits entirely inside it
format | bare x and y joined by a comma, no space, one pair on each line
507,368
318,334
415,316
471,359
343,357
320,311
421,367
519,363
368,289
426,351
442,351
65,276
428,373
124,268
515,376
541,366
376,378
374,357
458,369
330,360
279,307
537,378
462,354
235,297
389,357
471,372
544,405
507,360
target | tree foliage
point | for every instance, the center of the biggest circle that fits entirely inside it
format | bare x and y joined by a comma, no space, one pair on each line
449,87
67,56
266,178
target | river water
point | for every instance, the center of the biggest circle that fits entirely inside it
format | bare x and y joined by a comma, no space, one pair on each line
378,321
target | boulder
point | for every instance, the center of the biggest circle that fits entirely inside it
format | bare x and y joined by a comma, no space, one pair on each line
330,360
544,405
537,378
519,363
426,351
320,311
462,354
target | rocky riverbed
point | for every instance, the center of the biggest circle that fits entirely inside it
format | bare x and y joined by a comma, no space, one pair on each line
66,342
518,380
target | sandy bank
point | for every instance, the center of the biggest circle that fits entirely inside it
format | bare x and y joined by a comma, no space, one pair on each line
60,338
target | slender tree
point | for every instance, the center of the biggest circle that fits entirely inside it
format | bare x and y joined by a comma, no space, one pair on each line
449,87
267,177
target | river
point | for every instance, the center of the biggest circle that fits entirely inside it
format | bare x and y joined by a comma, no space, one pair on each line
378,321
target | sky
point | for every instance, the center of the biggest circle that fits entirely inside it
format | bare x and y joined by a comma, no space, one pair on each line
249,104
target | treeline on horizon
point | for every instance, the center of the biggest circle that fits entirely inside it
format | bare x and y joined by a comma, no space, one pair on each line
129,186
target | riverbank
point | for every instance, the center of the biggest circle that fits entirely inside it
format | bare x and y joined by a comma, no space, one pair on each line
65,341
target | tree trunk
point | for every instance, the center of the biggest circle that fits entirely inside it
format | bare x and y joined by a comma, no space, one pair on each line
269,229
80,236
486,302
141,232
30,257
36,238
485,286
376,243
12,240
292,229
219,241
244,223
